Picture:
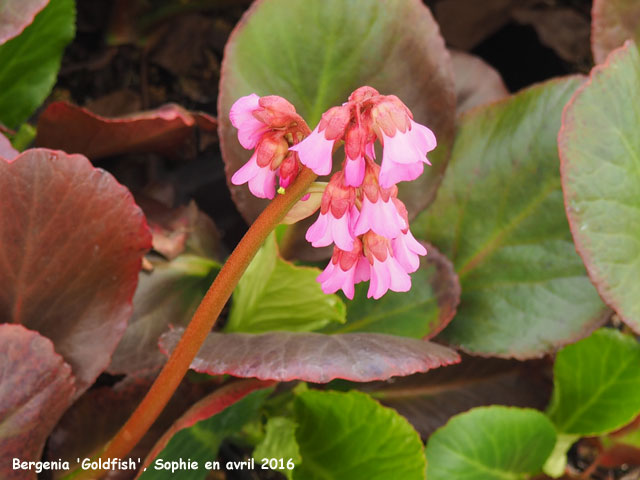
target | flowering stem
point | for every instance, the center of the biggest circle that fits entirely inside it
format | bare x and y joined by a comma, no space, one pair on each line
203,320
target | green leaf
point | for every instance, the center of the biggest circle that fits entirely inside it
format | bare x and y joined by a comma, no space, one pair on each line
200,442
352,437
419,313
276,295
600,150
29,63
486,443
315,53
596,384
499,217
279,442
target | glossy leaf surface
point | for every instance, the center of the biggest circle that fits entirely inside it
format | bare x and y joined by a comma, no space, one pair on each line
499,217
596,384
72,243
274,294
600,152
29,63
491,443
349,436
314,357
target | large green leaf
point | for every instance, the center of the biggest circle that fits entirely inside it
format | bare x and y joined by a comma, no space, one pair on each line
420,313
316,52
596,384
490,443
600,150
274,294
352,437
499,217
29,63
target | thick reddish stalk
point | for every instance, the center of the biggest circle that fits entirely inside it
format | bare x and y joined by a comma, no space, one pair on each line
203,320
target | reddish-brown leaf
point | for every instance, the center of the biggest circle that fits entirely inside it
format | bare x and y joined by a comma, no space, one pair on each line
72,243
36,387
77,130
16,16
314,357
429,399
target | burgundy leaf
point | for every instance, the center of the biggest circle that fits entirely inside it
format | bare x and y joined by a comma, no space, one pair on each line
476,81
314,357
98,414
429,399
72,243
6,149
77,130
16,16
209,406
613,22
36,387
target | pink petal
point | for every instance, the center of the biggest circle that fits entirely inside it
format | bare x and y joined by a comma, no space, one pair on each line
424,138
333,278
391,173
354,171
407,251
315,152
400,279
381,217
327,229
246,172
250,129
262,181
380,279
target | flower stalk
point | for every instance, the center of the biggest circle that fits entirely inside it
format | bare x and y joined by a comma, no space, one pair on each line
202,321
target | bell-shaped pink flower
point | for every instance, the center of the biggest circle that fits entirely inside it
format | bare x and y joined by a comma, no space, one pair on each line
315,152
337,218
262,180
404,154
345,269
250,129
386,273
328,229
407,251
381,217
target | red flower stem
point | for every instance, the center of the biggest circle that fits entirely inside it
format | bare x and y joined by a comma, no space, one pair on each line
203,320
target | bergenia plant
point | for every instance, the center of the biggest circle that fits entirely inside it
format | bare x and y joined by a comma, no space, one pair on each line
141,240
360,212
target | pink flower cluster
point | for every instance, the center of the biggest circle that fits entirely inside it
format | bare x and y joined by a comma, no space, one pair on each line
360,212
270,125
